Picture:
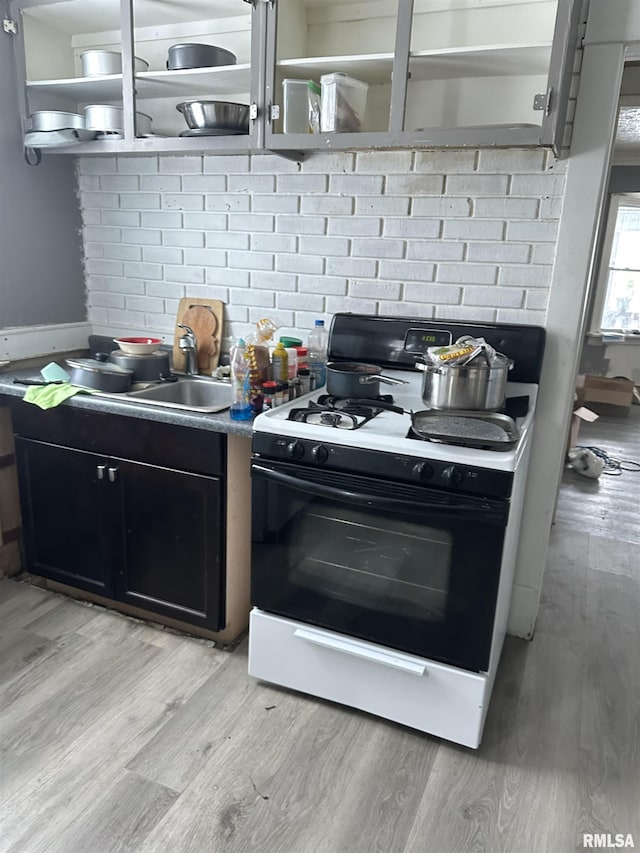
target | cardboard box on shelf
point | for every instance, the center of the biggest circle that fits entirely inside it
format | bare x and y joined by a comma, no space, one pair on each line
605,396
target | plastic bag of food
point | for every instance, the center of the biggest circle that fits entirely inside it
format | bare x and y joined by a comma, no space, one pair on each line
464,351
257,355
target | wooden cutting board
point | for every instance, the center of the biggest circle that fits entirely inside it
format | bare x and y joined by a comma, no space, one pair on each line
205,317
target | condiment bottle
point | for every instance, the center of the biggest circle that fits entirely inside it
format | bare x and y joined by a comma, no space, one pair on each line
279,363
304,375
268,394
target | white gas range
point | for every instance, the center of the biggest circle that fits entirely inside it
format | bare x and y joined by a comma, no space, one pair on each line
382,564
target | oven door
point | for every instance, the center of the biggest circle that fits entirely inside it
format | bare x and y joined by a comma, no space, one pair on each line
409,567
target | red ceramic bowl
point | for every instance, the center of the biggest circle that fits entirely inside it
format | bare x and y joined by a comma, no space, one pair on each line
138,346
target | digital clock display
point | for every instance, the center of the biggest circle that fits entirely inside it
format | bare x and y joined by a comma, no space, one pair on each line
418,340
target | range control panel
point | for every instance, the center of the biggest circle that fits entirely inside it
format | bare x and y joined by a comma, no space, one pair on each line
391,466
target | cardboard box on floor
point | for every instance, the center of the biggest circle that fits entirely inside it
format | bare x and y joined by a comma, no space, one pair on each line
608,397
580,415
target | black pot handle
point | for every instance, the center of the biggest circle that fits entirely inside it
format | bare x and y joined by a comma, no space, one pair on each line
171,377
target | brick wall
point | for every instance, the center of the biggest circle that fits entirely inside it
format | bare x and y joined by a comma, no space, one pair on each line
448,233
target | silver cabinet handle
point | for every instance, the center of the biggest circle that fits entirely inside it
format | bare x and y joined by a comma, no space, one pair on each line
112,473
348,647
100,471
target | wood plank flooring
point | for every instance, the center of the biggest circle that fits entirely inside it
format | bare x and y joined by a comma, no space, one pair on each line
119,737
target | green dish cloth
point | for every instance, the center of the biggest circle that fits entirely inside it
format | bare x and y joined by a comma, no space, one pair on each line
49,396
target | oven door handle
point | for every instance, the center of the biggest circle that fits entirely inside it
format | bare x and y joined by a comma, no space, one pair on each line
460,508
356,650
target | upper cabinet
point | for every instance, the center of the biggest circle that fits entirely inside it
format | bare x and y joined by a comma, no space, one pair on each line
128,67
145,75
437,72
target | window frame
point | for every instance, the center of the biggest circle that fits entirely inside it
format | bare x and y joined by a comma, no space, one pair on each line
616,200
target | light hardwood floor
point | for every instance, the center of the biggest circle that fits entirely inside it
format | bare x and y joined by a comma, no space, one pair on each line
118,736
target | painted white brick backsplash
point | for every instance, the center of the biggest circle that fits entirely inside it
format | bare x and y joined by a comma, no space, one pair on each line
375,289
181,201
275,203
203,184
161,219
140,201
299,184
205,257
382,248
325,246
473,229
153,271
300,264
122,253
185,275
406,270
433,293
245,183
162,255
357,267
467,273
161,183
187,239
434,250
143,236
462,234
119,183
180,165
354,226
499,252
238,203
502,297
128,218
227,240
301,225
445,162
323,284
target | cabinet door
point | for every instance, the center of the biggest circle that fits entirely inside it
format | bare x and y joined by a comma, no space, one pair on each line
170,543
63,494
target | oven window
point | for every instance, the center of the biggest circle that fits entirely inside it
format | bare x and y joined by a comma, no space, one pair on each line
396,565
370,560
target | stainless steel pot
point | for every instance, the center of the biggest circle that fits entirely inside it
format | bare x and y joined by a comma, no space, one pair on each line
353,379
198,56
470,387
95,63
91,373
219,115
149,367
55,120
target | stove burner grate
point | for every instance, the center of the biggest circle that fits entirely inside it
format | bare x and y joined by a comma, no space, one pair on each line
339,412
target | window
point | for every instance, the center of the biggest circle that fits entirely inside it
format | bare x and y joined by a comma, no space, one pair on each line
617,303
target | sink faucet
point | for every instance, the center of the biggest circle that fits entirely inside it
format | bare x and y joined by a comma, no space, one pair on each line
189,346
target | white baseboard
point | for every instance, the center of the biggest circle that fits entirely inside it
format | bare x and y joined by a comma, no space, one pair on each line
30,341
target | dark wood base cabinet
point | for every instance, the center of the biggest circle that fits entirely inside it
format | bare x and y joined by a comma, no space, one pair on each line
127,523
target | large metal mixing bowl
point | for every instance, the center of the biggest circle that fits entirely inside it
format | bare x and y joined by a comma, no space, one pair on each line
216,115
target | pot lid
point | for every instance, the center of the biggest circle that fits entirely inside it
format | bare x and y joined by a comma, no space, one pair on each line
98,366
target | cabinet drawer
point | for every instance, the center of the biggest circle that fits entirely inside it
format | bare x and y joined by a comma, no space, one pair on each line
422,694
152,442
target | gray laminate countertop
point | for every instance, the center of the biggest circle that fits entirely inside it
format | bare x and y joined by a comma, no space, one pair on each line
127,407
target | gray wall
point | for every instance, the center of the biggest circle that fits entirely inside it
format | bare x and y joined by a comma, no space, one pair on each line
41,273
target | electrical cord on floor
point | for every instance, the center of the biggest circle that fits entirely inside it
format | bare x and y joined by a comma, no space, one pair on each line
613,467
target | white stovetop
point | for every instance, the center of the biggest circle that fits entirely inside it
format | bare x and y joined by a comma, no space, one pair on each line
388,430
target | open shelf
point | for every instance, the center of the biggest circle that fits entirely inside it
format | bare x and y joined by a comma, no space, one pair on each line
225,79
371,68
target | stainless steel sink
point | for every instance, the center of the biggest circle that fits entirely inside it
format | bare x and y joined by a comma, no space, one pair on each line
194,393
